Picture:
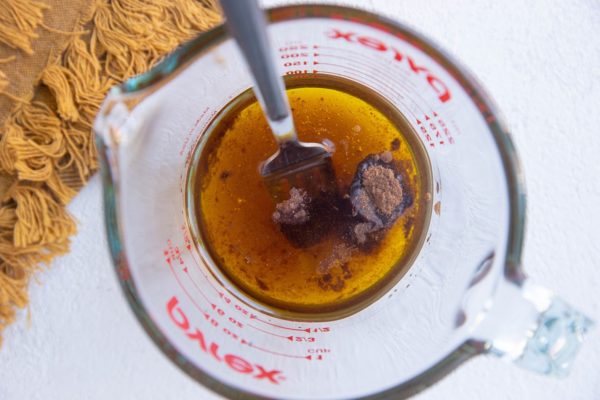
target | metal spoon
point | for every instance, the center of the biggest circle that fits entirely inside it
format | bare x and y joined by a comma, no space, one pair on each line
296,164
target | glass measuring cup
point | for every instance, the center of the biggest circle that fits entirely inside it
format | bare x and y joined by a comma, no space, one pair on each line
464,295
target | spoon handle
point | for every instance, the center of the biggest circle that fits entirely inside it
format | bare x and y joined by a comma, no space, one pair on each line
247,24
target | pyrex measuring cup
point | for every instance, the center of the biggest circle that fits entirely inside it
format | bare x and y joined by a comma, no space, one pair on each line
464,295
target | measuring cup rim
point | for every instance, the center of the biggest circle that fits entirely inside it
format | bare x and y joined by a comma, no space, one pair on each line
197,47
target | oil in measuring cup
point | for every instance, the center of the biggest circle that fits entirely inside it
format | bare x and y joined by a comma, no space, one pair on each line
229,338
334,275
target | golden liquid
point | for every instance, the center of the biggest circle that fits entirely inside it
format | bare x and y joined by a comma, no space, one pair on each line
234,206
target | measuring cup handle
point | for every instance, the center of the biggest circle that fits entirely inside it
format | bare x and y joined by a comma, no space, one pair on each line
247,24
533,328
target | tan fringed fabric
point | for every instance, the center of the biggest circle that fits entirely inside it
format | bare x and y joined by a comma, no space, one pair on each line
58,58
18,22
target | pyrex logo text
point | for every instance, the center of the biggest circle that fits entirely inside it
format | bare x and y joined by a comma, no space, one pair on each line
434,82
234,362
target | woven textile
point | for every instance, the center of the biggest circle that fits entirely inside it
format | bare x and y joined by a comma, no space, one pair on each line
58,58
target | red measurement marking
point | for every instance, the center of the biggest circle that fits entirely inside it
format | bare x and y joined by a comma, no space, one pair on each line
301,339
254,316
361,73
188,246
172,254
294,48
371,77
242,310
435,83
365,62
211,320
301,71
436,132
186,238
186,271
330,48
192,129
202,311
211,348
235,322
230,333
309,357
218,310
293,55
237,307
198,335
321,329
267,332
317,351
294,63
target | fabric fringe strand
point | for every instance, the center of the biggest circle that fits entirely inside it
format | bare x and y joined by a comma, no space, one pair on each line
47,150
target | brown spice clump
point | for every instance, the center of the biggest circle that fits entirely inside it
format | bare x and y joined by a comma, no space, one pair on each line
378,198
383,188
293,211
363,230
339,256
302,219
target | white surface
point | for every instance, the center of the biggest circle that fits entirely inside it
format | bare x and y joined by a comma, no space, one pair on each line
540,61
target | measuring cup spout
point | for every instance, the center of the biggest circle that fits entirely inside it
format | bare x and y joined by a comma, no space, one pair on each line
531,327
